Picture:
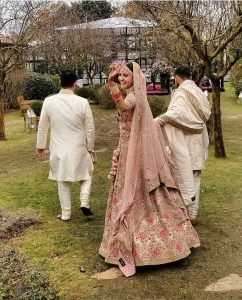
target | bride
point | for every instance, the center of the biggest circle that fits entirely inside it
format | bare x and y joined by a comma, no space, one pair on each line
146,221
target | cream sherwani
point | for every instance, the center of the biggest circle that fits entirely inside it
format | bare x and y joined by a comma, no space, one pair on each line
187,136
71,136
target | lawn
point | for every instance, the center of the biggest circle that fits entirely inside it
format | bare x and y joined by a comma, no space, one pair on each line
60,249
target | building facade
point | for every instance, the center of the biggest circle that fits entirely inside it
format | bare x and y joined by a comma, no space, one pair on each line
122,39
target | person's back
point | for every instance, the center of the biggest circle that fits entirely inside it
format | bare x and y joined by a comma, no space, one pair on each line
67,114
71,142
185,126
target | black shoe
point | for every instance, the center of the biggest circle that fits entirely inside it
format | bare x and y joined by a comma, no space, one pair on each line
87,211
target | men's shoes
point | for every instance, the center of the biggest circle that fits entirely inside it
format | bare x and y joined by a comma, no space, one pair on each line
87,212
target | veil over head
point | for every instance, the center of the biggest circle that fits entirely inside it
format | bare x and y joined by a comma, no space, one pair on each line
147,156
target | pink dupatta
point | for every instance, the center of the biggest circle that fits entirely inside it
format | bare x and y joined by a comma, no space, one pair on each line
146,166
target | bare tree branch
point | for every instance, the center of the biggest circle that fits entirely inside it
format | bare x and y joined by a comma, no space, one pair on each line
229,65
237,25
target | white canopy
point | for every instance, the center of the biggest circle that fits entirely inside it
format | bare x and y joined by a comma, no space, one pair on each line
115,22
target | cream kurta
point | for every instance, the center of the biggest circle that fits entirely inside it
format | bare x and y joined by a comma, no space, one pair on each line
189,150
71,136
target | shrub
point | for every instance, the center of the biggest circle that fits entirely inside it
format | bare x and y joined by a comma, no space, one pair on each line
19,280
55,78
38,86
237,91
157,105
89,92
104,97
236,77
82,92
93,92
36,105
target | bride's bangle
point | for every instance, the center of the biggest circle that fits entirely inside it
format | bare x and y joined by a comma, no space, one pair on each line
115,92
114,88
117,96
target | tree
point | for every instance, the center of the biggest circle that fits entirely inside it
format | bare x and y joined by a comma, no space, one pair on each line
88,11
20,24
211,30
76,47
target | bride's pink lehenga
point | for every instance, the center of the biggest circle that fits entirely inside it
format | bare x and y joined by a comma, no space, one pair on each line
154,227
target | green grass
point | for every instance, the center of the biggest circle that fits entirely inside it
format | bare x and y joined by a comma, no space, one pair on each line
60,249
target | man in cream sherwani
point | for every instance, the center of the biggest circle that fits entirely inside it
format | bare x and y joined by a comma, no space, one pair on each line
71,142
185,127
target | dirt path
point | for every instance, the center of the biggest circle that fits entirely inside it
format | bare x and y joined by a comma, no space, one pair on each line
107,132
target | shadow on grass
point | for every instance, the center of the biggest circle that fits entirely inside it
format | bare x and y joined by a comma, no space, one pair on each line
13,224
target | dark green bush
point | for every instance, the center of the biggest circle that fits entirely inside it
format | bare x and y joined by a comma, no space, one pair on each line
89,92
19,280
55,78
38,86
157,105
104,97
93,92
238,88
36,105
83,92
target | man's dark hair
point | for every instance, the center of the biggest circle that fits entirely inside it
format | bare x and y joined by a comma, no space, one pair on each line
68,78
183,72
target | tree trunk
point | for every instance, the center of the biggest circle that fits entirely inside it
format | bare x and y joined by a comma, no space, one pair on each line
210,122
2,127
199,75
218,135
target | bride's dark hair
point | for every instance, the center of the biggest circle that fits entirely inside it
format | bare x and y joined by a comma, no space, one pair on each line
128,65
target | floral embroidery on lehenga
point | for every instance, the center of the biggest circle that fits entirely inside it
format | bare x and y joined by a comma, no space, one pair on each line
165,233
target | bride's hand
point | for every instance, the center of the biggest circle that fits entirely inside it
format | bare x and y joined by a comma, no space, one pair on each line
113,73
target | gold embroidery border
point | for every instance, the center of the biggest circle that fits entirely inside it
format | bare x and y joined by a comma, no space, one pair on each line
194,102
158,261
174,123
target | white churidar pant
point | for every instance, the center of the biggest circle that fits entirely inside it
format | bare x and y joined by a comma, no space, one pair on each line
193,207
64,190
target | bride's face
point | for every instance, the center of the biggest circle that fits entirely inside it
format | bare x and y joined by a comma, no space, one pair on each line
125,79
